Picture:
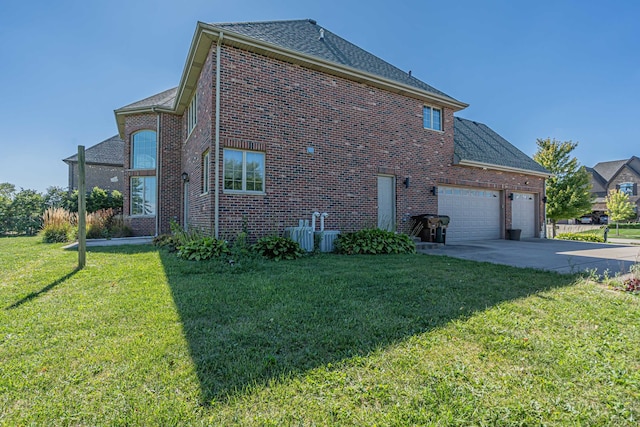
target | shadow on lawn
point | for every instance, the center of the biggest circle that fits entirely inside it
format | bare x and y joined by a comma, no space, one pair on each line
44,290
256,321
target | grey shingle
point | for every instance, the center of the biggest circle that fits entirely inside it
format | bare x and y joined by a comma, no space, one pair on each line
478,143
304,36
163,99
108,152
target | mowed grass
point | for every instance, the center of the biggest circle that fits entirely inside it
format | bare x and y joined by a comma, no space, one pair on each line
141,338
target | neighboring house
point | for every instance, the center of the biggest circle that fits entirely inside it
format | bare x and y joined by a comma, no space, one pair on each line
104,166
273,121
623,175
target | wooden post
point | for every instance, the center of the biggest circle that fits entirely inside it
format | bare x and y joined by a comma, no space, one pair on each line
82,210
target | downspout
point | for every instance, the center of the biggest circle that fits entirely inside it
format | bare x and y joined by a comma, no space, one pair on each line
216,202
158,163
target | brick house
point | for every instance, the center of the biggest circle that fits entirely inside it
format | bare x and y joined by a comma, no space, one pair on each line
104,166
623,175
273,121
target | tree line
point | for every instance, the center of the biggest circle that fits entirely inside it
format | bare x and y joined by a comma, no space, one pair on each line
21,210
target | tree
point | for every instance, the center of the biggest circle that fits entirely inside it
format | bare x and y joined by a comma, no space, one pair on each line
26,212
55,197
6,197
619,207
568,190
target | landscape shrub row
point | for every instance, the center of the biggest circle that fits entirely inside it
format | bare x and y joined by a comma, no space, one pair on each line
584,237
194,244
59,225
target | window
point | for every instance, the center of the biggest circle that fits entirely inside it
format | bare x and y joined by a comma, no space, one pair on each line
144,150
143,195
243,171
432,118
192,113
627,187
206,168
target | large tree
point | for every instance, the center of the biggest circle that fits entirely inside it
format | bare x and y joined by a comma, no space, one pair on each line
619,207
568,189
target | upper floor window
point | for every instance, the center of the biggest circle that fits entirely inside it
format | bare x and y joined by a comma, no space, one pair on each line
192,113
629,188
243,171
206,168
144,150
432,118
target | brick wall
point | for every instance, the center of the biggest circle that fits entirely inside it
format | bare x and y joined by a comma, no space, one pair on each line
97,176
626,175
355,133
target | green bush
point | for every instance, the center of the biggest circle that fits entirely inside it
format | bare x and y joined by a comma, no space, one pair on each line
57,233
374,241
278,248
202,249
166,241
584,237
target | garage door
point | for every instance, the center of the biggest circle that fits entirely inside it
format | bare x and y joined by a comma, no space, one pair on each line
474,213
523,214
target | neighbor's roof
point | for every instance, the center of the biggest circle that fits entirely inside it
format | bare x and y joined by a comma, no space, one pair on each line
298,42
598,183
478,145
108,152
608,170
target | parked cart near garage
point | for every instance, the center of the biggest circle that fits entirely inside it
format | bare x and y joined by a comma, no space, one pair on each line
430,227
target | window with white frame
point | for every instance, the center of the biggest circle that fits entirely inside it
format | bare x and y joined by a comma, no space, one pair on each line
206,168
243,171
432,118
192,113
143,150
143,195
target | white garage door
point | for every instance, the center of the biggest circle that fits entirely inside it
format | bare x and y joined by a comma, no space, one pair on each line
523,214
474,213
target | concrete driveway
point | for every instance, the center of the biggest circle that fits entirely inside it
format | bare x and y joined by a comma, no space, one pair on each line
563,256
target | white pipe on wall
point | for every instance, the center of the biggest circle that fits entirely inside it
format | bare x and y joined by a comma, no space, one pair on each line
322,217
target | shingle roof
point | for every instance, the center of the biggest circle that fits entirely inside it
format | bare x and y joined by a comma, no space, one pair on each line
598,183
608,169
303,36
163,99
476,142
108,152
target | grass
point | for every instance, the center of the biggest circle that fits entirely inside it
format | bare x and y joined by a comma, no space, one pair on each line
142,338
624,231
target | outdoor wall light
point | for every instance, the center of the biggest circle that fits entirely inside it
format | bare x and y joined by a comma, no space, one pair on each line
185,177
406,182
434,190
510,196
544,199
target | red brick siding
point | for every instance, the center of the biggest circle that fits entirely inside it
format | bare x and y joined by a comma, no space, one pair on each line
97,176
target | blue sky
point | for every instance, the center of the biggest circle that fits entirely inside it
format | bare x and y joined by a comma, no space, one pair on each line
565,69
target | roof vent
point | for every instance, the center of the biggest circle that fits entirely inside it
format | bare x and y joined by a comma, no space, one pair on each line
409,73
321,34
313,21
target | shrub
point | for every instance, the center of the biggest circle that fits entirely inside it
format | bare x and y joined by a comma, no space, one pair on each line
202,249
278,248
166,241
584,237
118,227
374,241
56,226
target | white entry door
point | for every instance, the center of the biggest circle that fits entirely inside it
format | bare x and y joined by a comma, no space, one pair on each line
474,213
386,202
523,214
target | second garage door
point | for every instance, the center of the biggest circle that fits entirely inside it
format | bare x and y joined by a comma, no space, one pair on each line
474,213
523,216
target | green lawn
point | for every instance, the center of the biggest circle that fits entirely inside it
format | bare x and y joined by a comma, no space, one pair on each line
141,338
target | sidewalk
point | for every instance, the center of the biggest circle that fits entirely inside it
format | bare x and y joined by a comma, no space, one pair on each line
623,241
113,242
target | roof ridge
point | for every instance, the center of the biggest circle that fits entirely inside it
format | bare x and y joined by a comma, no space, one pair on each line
275,21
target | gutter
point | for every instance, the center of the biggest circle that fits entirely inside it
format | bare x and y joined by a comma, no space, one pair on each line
158,163
503,168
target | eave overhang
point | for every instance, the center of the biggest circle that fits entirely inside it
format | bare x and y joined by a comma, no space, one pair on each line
490,166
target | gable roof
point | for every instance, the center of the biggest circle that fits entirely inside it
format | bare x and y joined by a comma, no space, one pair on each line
598,183
608,170
297,42
475,144
108,152
303,36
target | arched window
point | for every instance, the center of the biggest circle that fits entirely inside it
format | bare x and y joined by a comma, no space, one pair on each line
144,150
